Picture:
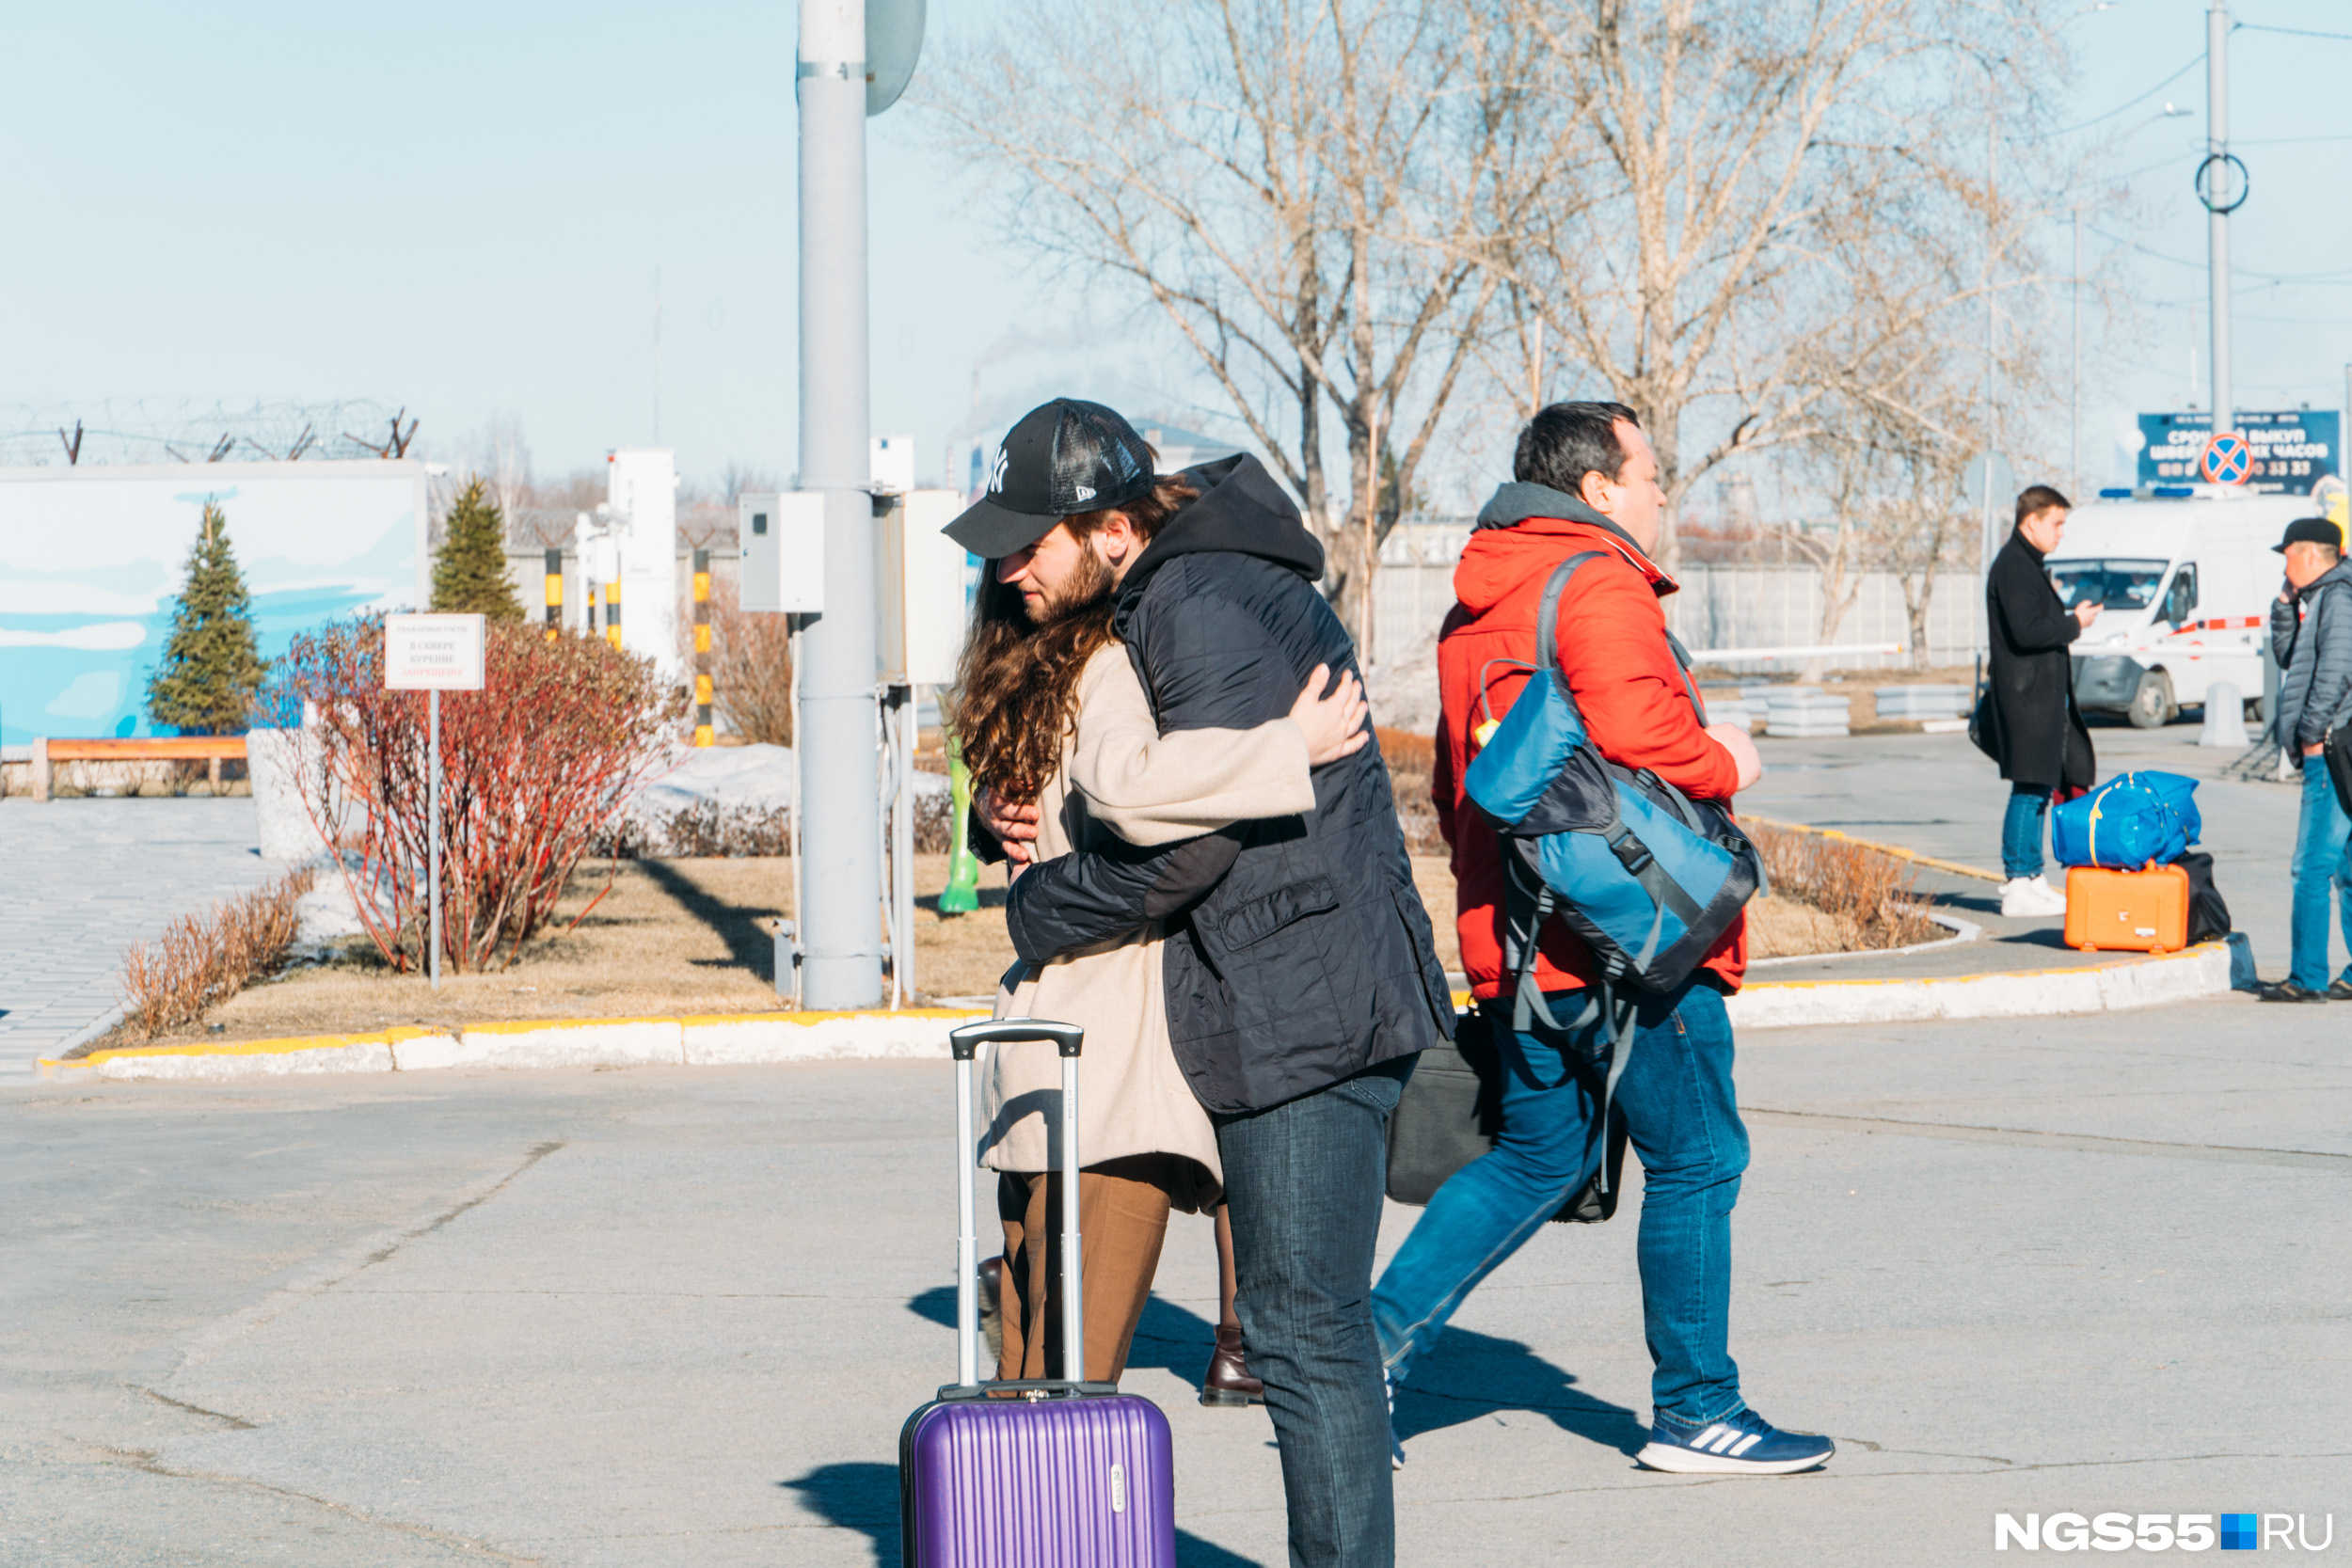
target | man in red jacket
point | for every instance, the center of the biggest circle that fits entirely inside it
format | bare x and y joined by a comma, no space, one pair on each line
1587,481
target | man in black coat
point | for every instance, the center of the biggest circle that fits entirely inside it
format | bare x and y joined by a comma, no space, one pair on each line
1300,969
2029,723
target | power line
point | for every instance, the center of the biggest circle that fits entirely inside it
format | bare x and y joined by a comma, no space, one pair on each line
2292,32
2094,119
2303,278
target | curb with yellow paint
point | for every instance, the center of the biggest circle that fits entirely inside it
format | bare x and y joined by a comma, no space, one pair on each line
742,1040
699,1040
1895,850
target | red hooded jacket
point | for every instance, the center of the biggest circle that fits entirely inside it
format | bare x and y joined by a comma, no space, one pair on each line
1627,685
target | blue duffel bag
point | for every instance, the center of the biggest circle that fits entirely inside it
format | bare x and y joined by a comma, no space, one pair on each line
2132,820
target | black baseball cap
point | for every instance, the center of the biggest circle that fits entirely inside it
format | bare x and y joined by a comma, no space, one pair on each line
2310,531
1062,458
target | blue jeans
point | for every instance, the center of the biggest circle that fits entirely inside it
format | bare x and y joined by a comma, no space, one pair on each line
1683,1122
1304,1182
2021,831
2323,854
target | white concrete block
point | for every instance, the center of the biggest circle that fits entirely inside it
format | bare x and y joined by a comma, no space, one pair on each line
917,1033
425,1052
372,1056
2201,972
590,1042
271,760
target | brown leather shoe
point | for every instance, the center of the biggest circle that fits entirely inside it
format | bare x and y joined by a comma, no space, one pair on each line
1228,1380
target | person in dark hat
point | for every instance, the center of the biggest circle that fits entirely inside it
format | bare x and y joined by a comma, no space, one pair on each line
2311,632
1299,968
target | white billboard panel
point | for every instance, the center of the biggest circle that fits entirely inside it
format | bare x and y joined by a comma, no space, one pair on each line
92,559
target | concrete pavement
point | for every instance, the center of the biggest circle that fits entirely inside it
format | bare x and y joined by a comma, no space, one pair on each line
676,1316
1940,796
81,880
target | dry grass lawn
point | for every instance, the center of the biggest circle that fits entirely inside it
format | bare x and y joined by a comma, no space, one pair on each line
677,936
697,936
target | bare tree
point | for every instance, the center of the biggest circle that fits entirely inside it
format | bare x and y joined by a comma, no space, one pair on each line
1306,190
1741,167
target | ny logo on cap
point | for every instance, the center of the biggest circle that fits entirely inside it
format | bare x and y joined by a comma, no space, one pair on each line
997,478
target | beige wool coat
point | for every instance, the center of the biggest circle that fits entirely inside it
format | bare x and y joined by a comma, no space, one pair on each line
1120,778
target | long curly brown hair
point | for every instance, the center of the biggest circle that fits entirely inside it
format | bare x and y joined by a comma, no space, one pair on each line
1016,693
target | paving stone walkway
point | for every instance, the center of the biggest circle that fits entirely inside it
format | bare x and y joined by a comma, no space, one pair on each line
81,879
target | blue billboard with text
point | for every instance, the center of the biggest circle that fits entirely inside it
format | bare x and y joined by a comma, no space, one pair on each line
2292,450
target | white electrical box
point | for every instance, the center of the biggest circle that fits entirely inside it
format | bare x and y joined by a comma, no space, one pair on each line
923,583
783,538
893,461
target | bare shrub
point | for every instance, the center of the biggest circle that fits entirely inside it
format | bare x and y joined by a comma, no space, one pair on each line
203,959
1871,894
750,670
536,768
1412,760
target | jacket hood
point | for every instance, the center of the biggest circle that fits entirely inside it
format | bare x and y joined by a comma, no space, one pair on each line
1527,528
1240,510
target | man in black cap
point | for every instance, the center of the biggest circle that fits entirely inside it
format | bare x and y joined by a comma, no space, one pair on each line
1300,970
2311,631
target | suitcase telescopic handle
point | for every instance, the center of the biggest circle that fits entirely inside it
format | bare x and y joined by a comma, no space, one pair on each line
963,1043
966,1042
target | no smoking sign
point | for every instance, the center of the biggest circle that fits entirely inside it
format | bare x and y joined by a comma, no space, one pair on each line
2228,459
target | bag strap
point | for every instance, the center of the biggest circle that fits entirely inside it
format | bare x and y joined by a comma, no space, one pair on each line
1547,638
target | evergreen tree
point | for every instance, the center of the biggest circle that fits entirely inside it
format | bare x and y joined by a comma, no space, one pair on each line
212,669
469,572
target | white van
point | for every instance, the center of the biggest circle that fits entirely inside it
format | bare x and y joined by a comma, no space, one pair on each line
2185,583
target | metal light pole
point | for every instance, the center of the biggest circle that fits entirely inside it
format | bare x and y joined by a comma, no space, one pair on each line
1992,370
840,929
2075,394
2220,197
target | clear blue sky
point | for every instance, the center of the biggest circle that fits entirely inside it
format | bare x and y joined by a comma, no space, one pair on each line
462,208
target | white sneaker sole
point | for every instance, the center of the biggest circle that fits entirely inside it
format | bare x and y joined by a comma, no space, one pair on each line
1691,1462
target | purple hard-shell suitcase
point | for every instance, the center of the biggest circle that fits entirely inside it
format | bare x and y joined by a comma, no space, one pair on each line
1063,1474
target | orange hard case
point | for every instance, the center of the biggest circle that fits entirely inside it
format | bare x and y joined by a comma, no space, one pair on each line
2130,911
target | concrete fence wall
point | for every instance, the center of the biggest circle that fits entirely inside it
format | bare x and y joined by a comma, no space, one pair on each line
1724,606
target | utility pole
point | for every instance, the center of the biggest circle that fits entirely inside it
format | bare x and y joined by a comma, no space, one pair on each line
841,831
2074,396
2222,195
1991,371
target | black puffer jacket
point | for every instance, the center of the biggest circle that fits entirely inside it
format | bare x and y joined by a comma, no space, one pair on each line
1298,952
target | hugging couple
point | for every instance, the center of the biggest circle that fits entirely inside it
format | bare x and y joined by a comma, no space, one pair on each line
1209,877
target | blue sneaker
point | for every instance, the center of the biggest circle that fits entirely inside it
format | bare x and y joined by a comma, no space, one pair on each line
1745,1444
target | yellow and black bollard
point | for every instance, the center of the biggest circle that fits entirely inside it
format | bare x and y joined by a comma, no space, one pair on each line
612,612
555,592
704,735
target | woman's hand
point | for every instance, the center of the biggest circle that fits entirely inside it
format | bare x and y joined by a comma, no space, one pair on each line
1334,726
1012,825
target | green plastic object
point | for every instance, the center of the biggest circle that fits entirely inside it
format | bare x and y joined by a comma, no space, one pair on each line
961,894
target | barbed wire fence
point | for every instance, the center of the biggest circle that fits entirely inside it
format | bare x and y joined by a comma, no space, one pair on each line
188,430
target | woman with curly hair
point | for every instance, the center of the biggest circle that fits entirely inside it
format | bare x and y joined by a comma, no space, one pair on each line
1048,711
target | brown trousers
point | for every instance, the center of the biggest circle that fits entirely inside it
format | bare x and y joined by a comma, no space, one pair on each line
1122,1219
